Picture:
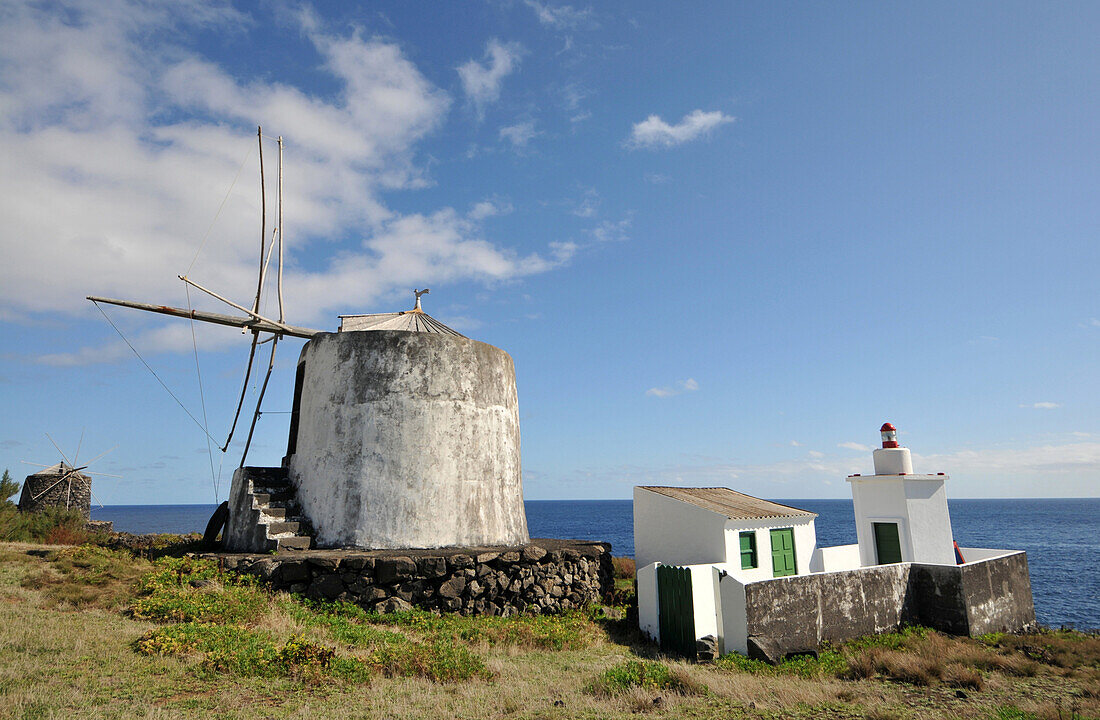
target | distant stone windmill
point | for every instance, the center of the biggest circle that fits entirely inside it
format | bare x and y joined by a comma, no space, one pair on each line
64,485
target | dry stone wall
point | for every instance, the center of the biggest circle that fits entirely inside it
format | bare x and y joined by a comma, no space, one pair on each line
546,576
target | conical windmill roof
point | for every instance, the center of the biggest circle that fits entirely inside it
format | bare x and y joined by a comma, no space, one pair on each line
59,469
410,320
415,320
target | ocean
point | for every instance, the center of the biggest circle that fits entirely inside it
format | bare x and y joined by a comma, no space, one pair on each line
1061,537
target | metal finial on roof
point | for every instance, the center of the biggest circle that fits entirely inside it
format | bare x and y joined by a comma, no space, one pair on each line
425,291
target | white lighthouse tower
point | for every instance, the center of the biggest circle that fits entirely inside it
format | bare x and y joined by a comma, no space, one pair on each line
901,516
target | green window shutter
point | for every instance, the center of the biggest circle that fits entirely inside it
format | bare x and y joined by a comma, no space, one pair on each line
887,543
748,550
783,561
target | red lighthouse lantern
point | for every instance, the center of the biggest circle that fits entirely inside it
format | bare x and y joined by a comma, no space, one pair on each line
889,435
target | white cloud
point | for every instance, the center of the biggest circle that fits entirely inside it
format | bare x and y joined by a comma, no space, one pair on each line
612,230
656,178
654,132
118,152
795,443
482,83
1042,405
683,386
816,454
854,446
489,208
573,94
589,204
559,16
990,472
519,134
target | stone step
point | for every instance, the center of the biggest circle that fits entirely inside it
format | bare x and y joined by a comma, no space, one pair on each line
281,527
275,513
295,542
266,499
262,475
272,489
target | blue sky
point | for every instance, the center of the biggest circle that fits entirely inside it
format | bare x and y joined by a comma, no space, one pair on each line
723,242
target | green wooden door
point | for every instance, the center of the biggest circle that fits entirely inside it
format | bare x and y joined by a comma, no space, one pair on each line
783,563
675,610
887,543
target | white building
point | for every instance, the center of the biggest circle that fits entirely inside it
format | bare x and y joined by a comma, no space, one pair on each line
709,559
759,538
901,516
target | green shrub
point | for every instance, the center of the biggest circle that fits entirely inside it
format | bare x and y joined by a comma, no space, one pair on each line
900,640
17,526
186,590
645,674
8,488
237,650
568,631
827,663
212,604
440,659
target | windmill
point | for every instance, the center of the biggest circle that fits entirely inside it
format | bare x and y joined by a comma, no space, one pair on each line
64,485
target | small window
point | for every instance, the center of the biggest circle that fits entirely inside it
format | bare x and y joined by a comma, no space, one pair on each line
748,550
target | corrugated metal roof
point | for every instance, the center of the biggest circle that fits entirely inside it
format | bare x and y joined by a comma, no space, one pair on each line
732,504
409,321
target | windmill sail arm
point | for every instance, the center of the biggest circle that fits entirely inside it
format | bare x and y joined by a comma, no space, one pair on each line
212,317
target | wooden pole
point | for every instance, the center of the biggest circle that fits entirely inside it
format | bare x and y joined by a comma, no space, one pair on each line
263,221
280,283
215,318
285,328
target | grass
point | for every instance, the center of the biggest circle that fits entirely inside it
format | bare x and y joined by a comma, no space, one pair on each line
644,674
88,632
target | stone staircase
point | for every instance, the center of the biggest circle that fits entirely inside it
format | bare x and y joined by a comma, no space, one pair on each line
264,514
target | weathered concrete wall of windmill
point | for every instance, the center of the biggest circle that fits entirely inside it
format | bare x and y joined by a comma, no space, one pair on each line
57,490
408,440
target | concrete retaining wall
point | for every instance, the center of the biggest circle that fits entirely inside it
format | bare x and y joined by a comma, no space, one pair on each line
548,577
797,614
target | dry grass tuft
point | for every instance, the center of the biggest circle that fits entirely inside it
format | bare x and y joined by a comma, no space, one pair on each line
882,713
622,568
86,577
959,676
1056,648
904,667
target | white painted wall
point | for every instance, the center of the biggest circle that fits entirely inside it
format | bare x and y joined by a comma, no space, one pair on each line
929,519
805,542
409,440
648,621
917,503
675,532
836,558
735,634
893,461
978,554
